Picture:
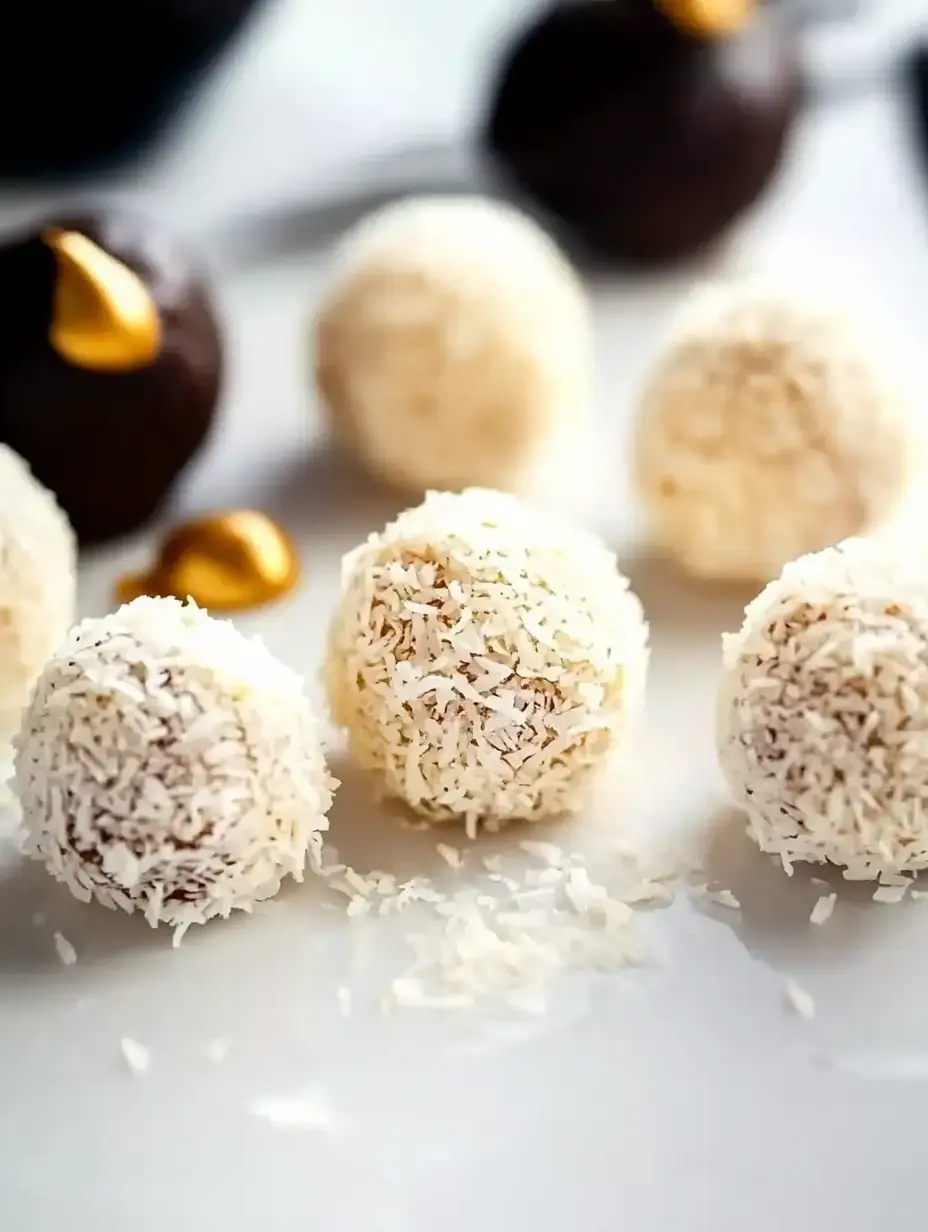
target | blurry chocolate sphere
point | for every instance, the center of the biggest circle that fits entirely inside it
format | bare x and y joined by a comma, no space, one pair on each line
92,84
110,366
645,126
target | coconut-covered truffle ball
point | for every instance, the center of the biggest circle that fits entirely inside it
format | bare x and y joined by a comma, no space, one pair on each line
169,764
454,345
37,584
769,429
484,659
823,711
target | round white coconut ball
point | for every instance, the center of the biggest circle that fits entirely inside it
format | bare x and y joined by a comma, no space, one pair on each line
823,711
169,764
37,584
484,659
768,429
454,345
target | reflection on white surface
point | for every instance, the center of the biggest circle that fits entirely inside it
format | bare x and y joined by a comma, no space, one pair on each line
884,1066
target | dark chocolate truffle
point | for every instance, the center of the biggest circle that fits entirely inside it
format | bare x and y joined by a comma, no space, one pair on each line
94,84
916,72
644,139
110,366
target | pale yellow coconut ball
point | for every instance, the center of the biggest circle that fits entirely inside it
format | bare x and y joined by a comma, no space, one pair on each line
38,555
823,711
770,428
485,660
453,347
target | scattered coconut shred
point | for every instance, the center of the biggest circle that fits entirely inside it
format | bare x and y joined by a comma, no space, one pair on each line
217,1050
507,935
136,1056
718,898
65,950
798,1000
893,893
303,1111
823,909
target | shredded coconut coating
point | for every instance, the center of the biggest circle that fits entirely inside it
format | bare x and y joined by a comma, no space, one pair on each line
484,659
768,430
454,347
37,584
823,712
170,765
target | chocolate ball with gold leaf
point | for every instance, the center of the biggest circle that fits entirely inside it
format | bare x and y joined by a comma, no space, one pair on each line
645,128
110,366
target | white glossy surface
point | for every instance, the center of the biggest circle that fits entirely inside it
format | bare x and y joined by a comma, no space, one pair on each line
682,1098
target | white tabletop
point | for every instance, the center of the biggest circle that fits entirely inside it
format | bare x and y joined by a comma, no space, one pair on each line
684,1097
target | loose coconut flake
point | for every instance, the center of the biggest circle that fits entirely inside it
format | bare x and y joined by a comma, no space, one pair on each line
306,1110
65,950
136,1056
509,941
799,1001
217,1050
823,909
451,855
889,893
719,898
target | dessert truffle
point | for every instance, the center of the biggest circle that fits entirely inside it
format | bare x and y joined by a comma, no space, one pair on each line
646,129
454,346
168,764
770,427
823,711
37,585
484,659
110,365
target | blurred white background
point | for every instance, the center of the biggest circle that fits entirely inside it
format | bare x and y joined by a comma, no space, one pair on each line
312,94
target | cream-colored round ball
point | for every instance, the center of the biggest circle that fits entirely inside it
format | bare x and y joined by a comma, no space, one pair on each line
171,765
823,711
38,554
769,428
453,347
484,659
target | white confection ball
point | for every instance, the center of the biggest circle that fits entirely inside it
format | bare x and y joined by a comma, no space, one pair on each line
171,765
823,711
37,584
484,659
454,346
768,429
